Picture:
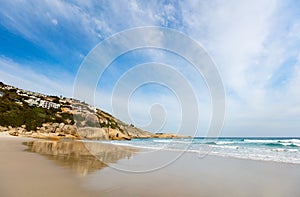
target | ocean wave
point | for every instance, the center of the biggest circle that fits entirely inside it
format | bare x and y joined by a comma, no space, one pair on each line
225,142
173,141
275,142
257,141
290,144
296,141
278,150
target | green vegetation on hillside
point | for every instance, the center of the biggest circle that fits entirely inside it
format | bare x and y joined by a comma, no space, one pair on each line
21,107
15,115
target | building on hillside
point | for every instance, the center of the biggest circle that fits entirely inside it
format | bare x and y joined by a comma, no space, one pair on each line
32,102
48,105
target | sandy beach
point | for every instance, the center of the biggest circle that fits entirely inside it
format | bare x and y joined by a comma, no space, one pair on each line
27,174
192,176
40,168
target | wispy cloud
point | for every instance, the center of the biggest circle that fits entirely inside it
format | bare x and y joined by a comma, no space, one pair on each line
256,46
15,74
251,44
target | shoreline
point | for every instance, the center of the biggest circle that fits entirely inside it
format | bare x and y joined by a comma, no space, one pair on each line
25,173
197,153
146,149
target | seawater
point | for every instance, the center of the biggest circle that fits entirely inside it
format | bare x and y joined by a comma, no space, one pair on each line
285,150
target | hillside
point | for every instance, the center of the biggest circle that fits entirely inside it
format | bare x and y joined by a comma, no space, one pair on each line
32,114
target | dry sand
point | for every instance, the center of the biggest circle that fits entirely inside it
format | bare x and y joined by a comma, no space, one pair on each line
25,173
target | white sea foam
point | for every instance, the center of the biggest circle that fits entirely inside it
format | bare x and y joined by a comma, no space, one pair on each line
260,141
173,141
225,142
278,150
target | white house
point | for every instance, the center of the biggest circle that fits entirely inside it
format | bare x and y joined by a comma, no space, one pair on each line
48,105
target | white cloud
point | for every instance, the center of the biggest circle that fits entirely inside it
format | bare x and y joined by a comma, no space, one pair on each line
253,43
19,76
250,42
31,21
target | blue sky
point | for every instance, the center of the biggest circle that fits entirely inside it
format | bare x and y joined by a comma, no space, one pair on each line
255,45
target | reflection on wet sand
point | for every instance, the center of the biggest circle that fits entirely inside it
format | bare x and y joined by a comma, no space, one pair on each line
82,158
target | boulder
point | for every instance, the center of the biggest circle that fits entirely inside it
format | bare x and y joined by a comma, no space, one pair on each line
73,130
3,129
55,125
42,130
115,134
69,129
93,133
57,130
61,125
21,130
45,125
13,132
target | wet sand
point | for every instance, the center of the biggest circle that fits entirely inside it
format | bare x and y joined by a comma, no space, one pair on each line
67,169
27,174
193,176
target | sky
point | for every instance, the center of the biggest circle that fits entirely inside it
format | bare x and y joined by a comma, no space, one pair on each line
254,44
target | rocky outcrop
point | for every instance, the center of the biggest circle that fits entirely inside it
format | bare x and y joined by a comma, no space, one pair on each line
59,128
56,131
134,132
14,131
169,135
93,133
53,131
117,128
96,133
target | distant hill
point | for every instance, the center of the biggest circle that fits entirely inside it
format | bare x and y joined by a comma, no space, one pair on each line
32,114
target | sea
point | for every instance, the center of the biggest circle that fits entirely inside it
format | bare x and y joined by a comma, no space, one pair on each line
286,150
